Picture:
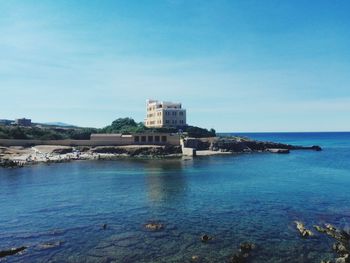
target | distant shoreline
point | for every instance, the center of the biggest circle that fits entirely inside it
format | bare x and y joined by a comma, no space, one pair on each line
18,156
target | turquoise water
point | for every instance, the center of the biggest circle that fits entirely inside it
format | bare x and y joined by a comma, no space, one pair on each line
236,198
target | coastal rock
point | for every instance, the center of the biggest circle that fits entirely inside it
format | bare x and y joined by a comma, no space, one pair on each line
243,253
302,230
206,238
344,259
154,226
238,144
340,248
320,229
246,247
195,258
12,251
62,150
6,163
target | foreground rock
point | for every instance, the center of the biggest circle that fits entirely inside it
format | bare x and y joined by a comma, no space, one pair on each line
342,245
154,226
302,230
12,251
206,238
50,245
243,254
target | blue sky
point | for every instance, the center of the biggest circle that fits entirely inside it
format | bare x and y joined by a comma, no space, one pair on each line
235,65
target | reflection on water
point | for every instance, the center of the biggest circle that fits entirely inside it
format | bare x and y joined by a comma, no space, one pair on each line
164,189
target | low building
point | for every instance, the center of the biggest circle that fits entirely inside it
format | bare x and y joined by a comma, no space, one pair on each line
136,138
165,114
5,122
23,122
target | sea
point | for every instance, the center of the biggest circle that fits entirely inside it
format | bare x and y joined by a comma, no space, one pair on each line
96,211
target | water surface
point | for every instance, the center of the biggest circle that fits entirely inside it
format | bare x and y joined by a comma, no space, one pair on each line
236,198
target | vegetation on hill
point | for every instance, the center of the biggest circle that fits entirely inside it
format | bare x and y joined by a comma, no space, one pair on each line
36,133
121,125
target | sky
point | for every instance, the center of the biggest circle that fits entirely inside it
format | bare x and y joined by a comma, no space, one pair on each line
236,66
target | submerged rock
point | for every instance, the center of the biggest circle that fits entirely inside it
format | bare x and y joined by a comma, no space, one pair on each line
243,253
104,226
12,251
302,230
246,247
154,226
194,258
50,245
206,238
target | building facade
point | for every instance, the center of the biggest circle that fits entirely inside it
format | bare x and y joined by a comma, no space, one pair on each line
164,114
136,139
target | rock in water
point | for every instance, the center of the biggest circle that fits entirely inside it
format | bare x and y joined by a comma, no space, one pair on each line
302,230
11,251
206,238
320,229
243,253
50,245
153,226
246,247
195,258
340,248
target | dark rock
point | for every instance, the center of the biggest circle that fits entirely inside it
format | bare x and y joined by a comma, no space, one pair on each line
316,148
104,226
227,144
237,258
206,238
243,253
6,163
12,251
246,247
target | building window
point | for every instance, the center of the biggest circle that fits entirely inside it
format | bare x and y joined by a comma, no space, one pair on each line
136,138
143,138
150,138
181,113
167,121
163,138
174,113
156,138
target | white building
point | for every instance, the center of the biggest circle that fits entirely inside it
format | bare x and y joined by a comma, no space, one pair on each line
165,114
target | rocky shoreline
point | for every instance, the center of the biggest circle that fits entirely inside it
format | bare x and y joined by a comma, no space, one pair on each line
15,156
